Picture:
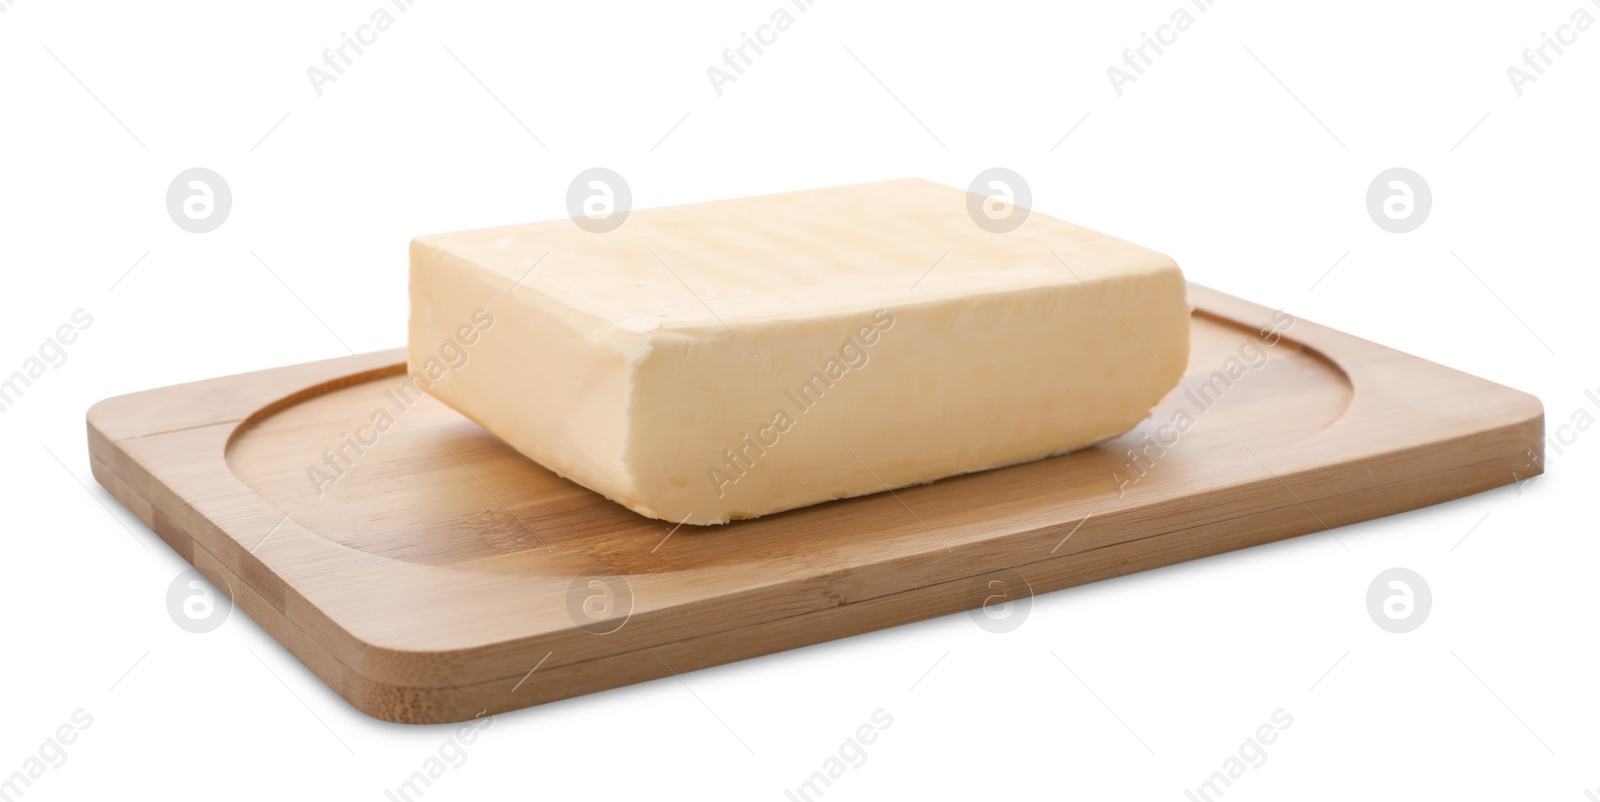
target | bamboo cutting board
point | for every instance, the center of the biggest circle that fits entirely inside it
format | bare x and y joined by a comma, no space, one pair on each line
441,574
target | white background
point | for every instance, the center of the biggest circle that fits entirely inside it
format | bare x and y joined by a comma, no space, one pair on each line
1209,157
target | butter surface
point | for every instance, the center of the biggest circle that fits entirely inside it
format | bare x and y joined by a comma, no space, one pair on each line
726,360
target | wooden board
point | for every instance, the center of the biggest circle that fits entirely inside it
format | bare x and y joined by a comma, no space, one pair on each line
441,567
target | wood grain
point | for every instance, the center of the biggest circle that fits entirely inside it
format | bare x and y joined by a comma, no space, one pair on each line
426,582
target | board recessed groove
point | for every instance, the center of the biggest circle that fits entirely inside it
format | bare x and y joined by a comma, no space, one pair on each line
413,588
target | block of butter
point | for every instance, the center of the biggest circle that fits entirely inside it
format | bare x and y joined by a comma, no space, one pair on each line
720,361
